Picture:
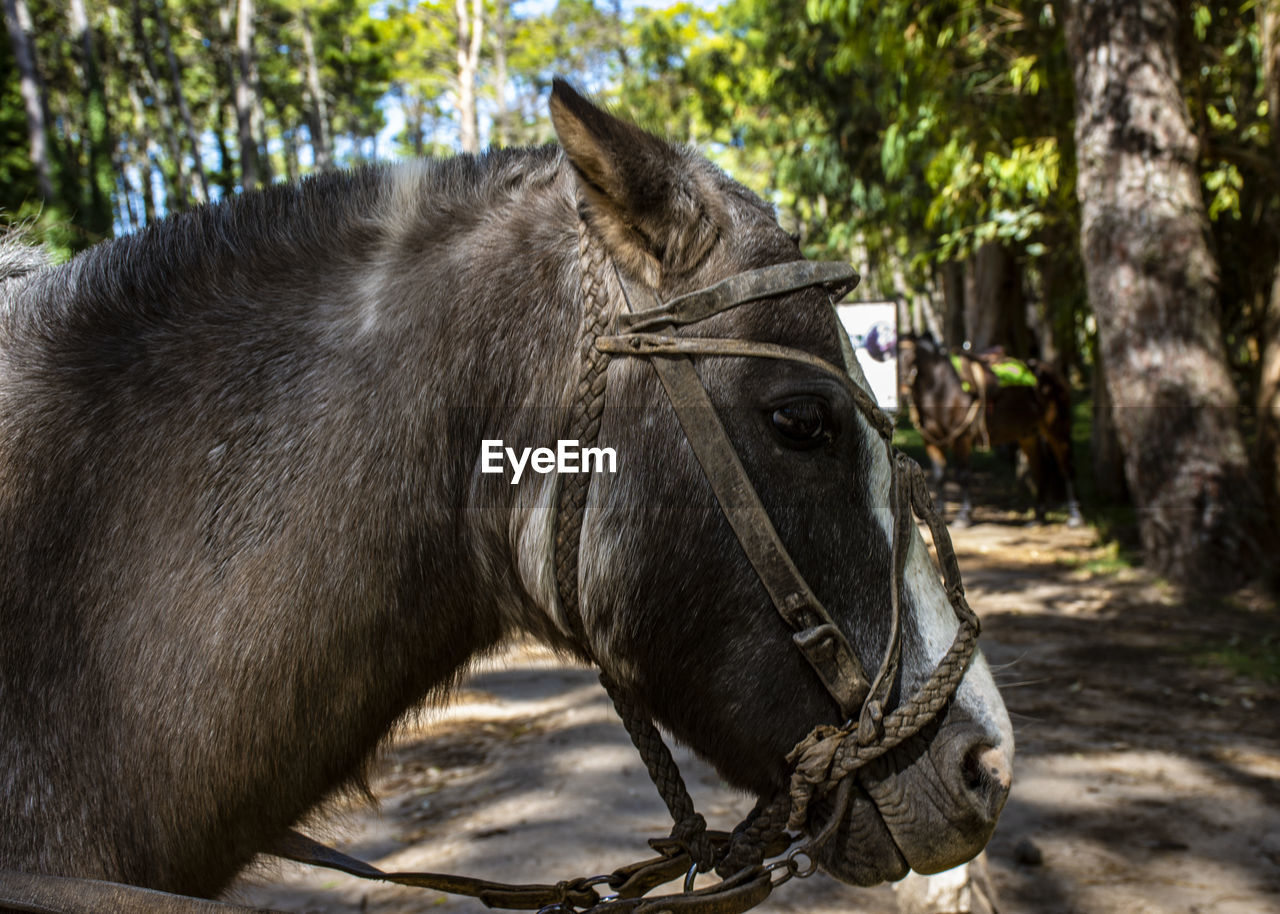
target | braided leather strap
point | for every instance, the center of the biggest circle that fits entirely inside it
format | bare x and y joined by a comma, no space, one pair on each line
756,835
825,759
584,424
829,755
690,827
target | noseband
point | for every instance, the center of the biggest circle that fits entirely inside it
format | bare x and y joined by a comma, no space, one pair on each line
622,319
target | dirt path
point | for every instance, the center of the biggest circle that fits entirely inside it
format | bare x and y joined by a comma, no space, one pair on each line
1147,780
1145,783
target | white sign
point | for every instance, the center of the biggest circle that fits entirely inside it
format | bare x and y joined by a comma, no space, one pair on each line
873,331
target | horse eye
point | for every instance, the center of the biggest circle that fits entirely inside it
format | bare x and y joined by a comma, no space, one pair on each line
804,423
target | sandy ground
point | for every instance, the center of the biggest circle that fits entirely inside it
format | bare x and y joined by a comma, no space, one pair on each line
1145,783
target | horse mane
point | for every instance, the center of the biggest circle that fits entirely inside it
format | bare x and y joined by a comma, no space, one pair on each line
19,255
220,249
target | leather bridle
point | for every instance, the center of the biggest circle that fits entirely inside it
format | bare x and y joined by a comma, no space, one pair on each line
622,319
634,323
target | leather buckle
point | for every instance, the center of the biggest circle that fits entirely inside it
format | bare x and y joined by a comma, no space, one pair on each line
828,652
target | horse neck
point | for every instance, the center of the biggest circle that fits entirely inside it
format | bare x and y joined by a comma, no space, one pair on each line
405,316
503,349
272,414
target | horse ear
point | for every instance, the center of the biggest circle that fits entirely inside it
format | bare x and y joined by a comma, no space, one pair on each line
643,195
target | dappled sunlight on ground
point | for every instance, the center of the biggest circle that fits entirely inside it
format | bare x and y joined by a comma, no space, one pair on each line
1147,781
530,777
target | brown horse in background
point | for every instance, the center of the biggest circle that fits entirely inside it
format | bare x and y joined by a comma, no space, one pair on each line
953,415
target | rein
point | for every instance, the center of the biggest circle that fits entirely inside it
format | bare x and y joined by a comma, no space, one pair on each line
625,320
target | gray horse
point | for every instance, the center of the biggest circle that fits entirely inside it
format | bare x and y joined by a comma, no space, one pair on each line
245,528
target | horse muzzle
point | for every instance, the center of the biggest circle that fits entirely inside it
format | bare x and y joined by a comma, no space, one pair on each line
928,805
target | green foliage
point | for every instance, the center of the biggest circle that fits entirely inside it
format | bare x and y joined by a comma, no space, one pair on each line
416,40
1006,197
908,135
1226,96
577,40
17,173
355,69
898,134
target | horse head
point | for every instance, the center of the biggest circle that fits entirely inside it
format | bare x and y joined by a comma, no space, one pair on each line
670,605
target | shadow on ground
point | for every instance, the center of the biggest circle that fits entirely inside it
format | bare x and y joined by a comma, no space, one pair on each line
1147,782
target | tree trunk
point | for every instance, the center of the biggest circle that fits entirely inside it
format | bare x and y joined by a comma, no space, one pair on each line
124,193
97,217
292,166
624,59
318,113
500,114
266,171
1152,283
200,189
1269,405
995,305
222,130
17,19
1061,285
1104,444
224,119
470,30
250,176
415,118
953,289
141,143
1269,382
181,184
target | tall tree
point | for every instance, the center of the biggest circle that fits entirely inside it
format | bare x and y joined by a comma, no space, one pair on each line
200,190
97,139
470,32
1152,283
257,107
245,104
318,111
17,19
996,306
500,32
180,183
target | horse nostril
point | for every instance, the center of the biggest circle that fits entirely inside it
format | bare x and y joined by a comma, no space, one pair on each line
987,777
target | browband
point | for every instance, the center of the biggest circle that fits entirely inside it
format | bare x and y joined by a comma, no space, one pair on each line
739,289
